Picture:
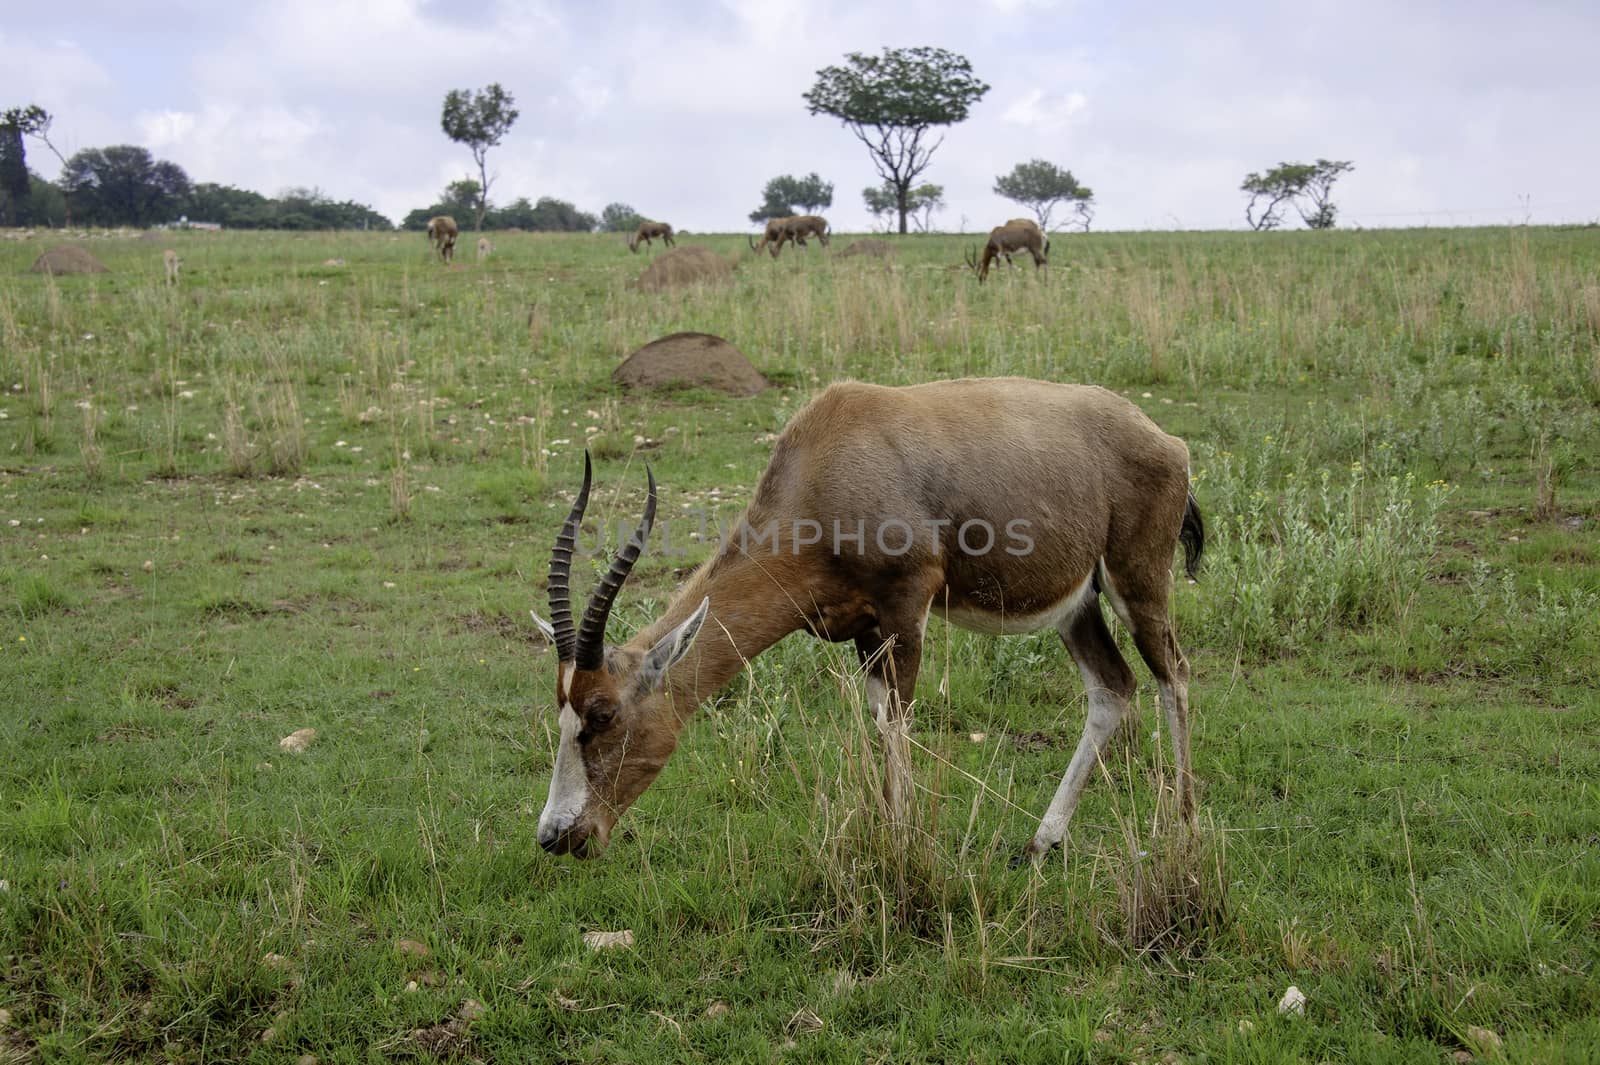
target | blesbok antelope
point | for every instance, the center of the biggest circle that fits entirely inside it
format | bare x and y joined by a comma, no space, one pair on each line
648,231
769,234
485,246
1017,235
173,264
797,228
1028,223
442,233
1005,505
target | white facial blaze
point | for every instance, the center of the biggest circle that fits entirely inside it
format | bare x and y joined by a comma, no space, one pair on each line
569,786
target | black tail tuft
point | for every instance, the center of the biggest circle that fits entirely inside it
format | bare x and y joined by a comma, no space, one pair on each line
1193,537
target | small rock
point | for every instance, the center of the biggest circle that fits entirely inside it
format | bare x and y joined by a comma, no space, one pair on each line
1103,1036
274,961
1293,1002
718,1009
1246,1026
306,1059
298,740
1172,1057
1461,1057
608,940
472,1010
411,948
5,1018
1485,1041
977,737
269,1034
149,566
412,987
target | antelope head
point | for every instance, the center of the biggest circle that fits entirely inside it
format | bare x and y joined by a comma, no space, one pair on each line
618,726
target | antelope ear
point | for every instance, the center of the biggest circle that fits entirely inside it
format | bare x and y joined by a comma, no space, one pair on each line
545,627
673,646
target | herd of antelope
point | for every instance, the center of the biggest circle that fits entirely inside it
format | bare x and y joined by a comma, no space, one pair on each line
1000,505
1015,236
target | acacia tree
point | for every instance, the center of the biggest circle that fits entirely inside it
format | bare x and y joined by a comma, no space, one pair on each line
479,120
1307,187
1039,185
892,101
883,202
785,193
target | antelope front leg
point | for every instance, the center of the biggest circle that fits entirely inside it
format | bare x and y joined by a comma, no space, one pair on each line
892,662
894,731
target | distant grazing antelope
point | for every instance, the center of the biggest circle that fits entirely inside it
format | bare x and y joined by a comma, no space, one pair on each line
1004,505
648,231
485,246
770,234
442,232
173,264
1017,235
797,228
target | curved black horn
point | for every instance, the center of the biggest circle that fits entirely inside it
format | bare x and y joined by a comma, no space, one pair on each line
560,582
592,633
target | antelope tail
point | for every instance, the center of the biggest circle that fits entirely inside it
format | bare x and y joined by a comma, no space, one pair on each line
1193,537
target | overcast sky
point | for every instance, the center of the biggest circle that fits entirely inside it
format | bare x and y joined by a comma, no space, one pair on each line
1463,113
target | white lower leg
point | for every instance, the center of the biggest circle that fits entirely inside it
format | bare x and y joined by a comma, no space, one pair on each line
1174,705
894,729
1105,710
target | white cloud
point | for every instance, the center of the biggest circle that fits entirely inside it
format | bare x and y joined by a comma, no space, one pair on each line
1039,110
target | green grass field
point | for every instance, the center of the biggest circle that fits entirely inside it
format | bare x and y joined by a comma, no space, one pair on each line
288,494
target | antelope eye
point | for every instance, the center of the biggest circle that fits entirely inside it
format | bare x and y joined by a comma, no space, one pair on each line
598,714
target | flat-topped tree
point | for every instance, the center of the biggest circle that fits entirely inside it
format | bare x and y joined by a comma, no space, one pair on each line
479,120
786,195
1039,185
892,101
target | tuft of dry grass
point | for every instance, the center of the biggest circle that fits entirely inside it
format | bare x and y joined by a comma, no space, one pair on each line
92,453
1171,881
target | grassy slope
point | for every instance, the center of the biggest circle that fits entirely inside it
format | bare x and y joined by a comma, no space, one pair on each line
1397,731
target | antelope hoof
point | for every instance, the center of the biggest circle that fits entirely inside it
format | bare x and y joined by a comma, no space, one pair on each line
1033,853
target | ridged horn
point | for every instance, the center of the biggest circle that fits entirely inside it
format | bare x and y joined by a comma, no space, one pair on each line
592,633
560,583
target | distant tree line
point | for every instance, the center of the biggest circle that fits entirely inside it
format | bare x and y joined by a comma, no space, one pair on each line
463,199
124,185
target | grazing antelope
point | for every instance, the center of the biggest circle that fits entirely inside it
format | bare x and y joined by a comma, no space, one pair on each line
794,228
648,231
442,233
1004,505
1017,235
173,264
770,234
485,246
